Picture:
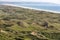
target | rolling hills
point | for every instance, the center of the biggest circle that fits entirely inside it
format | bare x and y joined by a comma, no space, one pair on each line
18,23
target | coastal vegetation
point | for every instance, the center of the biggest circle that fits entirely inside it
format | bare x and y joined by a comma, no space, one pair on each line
18,23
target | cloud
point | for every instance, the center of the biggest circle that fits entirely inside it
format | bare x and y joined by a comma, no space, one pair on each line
50,1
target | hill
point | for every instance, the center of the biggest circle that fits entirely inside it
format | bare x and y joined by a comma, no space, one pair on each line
18,23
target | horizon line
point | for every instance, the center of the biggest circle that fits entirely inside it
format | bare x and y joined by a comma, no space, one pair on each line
31,8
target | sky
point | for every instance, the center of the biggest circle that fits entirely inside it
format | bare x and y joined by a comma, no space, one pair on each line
50,1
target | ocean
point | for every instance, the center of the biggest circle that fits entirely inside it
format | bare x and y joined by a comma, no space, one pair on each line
38,5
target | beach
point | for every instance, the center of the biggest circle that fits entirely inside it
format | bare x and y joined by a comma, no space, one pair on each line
31,8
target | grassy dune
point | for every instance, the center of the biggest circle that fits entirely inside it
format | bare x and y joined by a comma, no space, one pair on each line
18,23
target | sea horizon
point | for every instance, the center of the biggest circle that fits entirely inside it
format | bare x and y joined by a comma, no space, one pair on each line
51,7
31,8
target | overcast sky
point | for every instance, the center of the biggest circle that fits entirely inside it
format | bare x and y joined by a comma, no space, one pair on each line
50,1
